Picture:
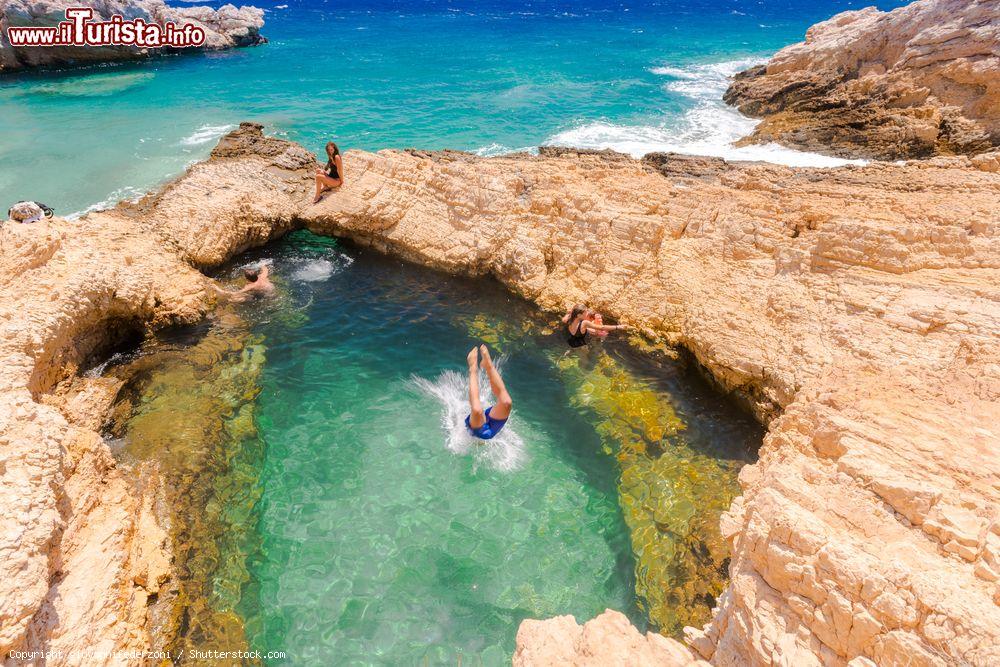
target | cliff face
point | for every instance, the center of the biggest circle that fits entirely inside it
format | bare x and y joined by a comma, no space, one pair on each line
83,556
225,27
856,310
918,81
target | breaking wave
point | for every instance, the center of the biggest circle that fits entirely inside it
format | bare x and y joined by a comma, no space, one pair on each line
710,127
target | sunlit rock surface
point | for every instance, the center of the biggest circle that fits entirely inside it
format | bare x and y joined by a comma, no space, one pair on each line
854,310
918,81
608,640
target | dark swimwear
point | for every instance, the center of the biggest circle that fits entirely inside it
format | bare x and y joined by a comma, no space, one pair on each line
487,430
331,169
577,339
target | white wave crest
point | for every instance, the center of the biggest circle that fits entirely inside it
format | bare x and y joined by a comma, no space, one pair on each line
495,150
205,133
504,452
126,193
709,128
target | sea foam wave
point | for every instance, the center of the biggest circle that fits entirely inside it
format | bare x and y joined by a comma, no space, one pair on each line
710,127
205,133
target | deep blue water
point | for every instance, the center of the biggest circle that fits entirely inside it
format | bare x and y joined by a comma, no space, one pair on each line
484,76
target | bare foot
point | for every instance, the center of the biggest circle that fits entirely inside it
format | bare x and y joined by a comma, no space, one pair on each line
473,359
485,351
317,198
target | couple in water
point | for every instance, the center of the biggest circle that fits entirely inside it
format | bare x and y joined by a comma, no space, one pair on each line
581,321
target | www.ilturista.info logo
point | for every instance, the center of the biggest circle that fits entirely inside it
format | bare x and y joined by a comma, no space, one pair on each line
79,30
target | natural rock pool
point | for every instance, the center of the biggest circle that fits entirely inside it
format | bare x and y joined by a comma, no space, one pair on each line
325,504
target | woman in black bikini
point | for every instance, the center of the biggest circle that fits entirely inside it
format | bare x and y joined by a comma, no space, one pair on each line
333,176
579,324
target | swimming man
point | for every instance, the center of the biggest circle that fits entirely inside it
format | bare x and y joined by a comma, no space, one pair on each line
258,284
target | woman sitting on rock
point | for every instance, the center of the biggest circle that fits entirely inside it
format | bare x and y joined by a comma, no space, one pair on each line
581,321
333,176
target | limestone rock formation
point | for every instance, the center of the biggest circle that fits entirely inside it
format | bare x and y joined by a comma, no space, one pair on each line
855,310
606,641
918,81
82,553
225,27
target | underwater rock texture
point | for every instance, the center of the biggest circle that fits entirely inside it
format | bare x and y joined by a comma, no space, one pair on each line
225,28
856,310
918,81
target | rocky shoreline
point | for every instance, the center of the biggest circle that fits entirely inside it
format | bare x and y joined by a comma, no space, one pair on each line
857,307
225,28
919,81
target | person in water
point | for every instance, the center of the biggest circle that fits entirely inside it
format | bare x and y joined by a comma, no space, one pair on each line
258,284
485,424
581,321
333,175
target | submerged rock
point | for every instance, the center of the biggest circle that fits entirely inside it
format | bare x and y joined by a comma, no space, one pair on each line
918,81
225,28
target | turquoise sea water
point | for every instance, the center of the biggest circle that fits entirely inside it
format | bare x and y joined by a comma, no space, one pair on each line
484,76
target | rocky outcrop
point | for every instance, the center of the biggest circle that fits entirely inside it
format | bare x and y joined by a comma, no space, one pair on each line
226,27
606,641
919,81
855,310
83,554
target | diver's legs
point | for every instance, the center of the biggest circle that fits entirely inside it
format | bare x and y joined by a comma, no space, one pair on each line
504,403
476,415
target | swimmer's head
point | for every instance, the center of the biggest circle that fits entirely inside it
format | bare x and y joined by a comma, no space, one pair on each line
578,310
332,149
251,275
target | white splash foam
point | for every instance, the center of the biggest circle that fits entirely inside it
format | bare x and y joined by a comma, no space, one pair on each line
205,133
318,270
709,128
504,452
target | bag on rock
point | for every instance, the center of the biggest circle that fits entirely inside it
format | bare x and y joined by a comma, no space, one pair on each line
29,211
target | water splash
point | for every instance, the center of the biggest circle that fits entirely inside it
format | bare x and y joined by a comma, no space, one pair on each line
504,452
318,270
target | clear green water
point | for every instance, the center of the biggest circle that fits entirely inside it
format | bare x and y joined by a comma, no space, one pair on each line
383,536
325,501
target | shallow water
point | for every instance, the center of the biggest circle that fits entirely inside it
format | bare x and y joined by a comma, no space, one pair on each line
330,505
478,75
